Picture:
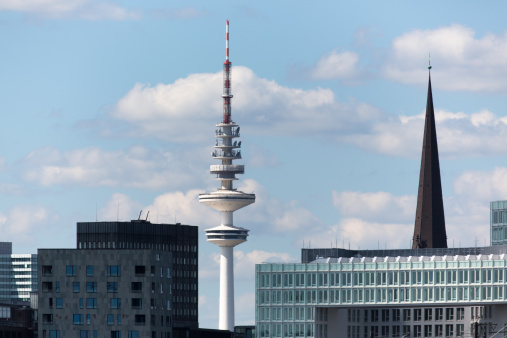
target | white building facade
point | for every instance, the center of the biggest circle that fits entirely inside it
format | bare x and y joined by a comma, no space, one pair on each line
386,296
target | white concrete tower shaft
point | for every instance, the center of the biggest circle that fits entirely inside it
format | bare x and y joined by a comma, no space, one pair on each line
227,199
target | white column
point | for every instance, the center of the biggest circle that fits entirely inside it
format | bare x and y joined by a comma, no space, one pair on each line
226,303
227,218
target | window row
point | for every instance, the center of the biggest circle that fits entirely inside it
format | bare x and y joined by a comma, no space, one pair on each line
379,278
382,295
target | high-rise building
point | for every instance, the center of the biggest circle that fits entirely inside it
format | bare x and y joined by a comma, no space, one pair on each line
131,279
227,199
498,222
18,274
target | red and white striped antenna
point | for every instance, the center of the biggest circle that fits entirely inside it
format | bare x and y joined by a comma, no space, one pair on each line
227,79
227,40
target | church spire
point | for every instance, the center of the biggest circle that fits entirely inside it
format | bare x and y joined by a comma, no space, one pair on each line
429,230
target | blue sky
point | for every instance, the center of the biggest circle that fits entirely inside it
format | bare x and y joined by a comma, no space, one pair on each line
108,104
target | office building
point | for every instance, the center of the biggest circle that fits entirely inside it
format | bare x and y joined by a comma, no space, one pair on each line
18,274
498,222
125,279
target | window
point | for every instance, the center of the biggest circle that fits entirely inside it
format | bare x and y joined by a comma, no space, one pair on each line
406,315
114,270
47,286
59,303
47,270
136,287
133,334
115,303
460,313
54,333
112,286
396,315
84,334
70,270
88,319
385,316
449,314
140,320
115,334
119,320
140,270
57,286
428,314
47,318
89,270
439,314
417,315
110,319
91,287
77,319
137,303
75,286
91,303
460,330
449,332
428,330
169,276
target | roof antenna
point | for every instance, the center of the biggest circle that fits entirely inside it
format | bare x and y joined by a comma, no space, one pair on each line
429,61
140,212
148,214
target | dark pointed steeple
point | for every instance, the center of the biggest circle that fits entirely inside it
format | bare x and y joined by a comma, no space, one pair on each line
429,230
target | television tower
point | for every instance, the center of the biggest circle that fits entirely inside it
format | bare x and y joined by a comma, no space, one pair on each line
227,199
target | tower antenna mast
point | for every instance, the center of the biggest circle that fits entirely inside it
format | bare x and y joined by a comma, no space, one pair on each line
227,199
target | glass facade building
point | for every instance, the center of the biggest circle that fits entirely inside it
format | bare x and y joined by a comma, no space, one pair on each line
381,295
18,274
498,222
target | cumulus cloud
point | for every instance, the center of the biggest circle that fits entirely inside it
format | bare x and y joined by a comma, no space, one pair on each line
335,65
64,9
462,61
21,224
459,135
135,167
262,105
375,206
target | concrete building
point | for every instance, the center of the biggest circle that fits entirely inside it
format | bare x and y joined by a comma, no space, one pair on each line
18,274
384,293
126,279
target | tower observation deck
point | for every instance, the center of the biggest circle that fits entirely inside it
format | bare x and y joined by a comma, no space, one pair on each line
227,199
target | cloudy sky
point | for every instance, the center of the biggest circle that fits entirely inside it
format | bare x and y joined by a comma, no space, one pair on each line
109,108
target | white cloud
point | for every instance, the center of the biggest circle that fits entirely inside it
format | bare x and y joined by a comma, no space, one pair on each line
135,167
262,105
179,13
244,262
461,60
120,207
459,135
63,9
375,206
21,224
335,65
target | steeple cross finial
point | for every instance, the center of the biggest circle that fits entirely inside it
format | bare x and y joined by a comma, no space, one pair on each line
429,60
